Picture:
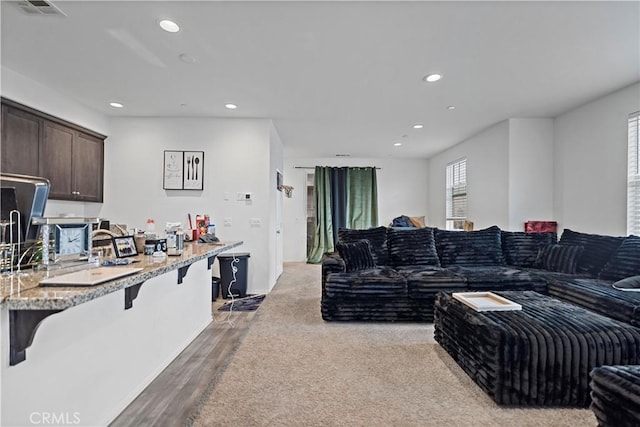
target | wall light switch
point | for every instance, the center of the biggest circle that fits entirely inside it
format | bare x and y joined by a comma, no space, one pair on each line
227,196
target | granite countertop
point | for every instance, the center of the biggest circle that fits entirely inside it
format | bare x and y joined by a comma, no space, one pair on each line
22,291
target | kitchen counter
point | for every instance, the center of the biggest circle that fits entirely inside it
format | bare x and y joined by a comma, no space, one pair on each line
22,292
84,353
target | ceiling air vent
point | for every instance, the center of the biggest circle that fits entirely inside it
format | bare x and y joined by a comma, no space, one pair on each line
39,7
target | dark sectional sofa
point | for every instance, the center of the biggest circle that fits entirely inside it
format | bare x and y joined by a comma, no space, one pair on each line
394,274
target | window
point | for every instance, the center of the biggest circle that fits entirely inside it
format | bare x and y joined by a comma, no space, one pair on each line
456,194
633,180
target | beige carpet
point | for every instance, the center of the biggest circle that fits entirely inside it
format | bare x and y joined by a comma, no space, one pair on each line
293,369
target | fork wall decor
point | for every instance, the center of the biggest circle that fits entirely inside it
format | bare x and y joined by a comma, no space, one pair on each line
183,170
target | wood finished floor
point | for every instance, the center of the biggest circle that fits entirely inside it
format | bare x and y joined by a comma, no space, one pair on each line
170,399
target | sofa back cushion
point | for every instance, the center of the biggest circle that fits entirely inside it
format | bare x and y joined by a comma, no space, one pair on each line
559,258
520,249
377,238
482,247
625,262
597,249
412,246
356,255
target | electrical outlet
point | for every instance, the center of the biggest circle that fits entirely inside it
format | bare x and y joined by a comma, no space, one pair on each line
255,222
227,222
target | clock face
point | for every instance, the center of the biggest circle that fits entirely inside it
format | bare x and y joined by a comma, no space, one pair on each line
72,240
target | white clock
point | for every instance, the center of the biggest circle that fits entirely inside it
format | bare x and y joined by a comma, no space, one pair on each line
72,239
68,238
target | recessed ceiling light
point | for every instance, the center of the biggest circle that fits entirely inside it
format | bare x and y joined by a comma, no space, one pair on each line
432,78
343,155
231,106
451,107
397,144
418,126
116,105
187,59
169,26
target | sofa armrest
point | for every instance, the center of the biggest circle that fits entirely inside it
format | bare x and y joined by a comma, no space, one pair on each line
331,263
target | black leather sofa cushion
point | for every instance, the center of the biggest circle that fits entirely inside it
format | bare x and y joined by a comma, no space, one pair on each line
377,238
615,395
356,255
521,249
625,262
597,249
412,246
482,247
486,278
378,282
560,258
598,296
425,281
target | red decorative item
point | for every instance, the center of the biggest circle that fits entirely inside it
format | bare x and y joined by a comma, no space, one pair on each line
541,226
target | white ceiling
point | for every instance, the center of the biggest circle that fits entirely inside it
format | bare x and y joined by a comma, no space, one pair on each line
335,77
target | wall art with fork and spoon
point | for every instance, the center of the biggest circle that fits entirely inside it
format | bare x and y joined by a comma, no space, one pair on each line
183,170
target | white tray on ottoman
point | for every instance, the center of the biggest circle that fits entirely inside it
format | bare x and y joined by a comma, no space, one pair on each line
486,301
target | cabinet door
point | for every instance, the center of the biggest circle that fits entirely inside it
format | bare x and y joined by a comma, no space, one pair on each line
88,154
55,159
21,133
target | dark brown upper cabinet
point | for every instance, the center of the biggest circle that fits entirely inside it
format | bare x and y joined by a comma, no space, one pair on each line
21,133
69,156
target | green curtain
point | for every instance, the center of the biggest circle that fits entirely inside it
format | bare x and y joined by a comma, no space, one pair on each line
323,234
359,209
362,198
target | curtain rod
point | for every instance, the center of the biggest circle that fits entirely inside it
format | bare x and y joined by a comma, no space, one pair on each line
313,167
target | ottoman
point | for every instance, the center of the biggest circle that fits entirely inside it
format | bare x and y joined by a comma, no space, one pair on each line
541,355
615,395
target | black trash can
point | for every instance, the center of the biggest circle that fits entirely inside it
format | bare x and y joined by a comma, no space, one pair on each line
215,287
227,263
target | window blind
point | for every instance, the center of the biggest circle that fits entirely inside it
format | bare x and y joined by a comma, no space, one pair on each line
633,173
456,190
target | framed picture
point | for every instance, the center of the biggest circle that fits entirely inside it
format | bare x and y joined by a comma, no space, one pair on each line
124,246
173,170
193,166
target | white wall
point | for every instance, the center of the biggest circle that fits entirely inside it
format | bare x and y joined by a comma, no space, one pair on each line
276,238
401,191
487,156
240,156
591,164
237,156
530,171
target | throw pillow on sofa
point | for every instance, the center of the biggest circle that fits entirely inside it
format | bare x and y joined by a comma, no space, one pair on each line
559,258
356,255
521,249
597,249
625,262
482,247
412,246
631,284
376,236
